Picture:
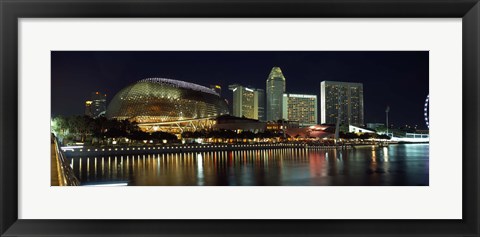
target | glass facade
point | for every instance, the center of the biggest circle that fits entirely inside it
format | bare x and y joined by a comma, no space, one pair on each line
344,98
156,100
261,104
275,89
245,101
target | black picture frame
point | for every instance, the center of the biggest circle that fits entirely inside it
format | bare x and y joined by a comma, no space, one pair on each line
12,10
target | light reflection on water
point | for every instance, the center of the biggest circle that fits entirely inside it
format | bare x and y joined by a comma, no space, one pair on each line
368,166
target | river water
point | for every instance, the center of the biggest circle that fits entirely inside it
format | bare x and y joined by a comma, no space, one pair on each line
396,165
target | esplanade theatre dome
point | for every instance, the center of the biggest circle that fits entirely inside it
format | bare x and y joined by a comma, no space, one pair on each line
157,100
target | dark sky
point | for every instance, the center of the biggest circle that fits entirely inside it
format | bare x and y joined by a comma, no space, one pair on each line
397,79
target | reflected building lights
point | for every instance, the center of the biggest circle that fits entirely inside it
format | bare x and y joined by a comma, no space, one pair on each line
283,166
200,175
385,154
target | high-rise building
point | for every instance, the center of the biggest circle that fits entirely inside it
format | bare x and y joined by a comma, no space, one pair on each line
275,90
301,108
245,101
346,96
261,104
217,88
88,108
97,106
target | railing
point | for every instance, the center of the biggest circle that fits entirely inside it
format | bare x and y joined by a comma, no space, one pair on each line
119,150
416,135
66,175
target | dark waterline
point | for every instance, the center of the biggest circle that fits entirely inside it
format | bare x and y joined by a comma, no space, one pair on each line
397,165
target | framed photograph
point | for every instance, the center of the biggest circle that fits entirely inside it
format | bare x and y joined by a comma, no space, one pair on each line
227,118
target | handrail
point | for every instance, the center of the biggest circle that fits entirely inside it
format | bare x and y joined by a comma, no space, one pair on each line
66,175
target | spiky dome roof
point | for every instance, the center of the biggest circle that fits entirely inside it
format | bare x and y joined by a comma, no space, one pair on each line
154,100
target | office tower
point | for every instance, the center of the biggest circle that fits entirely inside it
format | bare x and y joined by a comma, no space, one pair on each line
301,108
217,88
275,90
346,96
88,108
97,106
261,104
245,101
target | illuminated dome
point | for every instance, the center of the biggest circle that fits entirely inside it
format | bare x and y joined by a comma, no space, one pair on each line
157,100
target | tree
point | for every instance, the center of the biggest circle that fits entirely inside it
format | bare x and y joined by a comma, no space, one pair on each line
381,128
139,136
82,127
367,135
348,135
247,134
163,136
115,133
187,134
383,136
199,134
59,126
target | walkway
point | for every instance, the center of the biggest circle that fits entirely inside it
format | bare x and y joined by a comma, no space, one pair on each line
54,174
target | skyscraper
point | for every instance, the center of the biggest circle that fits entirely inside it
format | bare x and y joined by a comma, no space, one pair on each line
275,90
301,108
261,104
88,108
245,101
97,106
346,96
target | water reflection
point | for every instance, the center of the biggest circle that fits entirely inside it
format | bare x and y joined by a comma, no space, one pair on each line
395,165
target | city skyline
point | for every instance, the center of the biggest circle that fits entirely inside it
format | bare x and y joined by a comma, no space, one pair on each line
68,67
195,118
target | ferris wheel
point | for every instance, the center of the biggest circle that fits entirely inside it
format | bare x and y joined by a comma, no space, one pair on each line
425,111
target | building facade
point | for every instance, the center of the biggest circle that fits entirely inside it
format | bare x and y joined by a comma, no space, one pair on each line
355,129
301,108
343,100
246,101
261,104
97,106
281,125
275,89
227,122
88,108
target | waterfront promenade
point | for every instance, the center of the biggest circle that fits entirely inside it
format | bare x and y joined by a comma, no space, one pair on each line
151,149
161,149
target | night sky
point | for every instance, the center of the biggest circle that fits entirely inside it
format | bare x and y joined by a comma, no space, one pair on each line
397,79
